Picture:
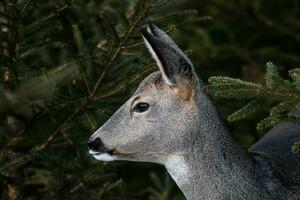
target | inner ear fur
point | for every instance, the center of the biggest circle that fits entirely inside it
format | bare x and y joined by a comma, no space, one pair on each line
184,88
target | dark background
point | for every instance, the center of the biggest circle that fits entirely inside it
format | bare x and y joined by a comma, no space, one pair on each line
47,111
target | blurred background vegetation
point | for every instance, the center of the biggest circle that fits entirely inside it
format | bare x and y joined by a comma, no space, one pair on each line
66,66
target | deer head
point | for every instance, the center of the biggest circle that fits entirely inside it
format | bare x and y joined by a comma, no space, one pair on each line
159,120
170,120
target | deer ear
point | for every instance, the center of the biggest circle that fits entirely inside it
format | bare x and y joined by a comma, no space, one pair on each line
176,69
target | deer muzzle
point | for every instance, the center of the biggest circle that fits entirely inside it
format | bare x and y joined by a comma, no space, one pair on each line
100,151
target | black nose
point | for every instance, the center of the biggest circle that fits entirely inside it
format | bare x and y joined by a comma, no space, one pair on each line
95,144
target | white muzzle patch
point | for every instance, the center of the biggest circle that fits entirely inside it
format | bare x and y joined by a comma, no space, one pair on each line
105,157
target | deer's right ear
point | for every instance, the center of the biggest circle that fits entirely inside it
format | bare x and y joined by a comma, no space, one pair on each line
175,67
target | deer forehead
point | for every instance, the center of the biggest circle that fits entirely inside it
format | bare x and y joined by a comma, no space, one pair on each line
154,85
153,81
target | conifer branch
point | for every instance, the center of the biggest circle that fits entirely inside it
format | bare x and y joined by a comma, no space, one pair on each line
283,96
48,99
137,20
29,29
123,41
110,26
121,87
61,124
81,50
277,90
25,6
296,147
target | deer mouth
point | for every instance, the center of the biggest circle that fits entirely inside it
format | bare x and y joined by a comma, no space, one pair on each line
112,155
110,152
109,155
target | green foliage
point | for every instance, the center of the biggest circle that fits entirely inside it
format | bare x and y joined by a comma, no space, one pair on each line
233,88
296,147
245,111
280,95
274,81
66,66
295,75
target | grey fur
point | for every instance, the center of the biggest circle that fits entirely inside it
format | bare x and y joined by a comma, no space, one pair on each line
210,164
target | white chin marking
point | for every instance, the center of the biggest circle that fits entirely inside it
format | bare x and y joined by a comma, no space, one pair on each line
92,152
178,169
105,157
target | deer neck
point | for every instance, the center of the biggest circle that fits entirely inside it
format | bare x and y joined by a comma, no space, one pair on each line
214,166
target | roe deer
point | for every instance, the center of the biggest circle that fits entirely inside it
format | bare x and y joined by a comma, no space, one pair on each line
170,120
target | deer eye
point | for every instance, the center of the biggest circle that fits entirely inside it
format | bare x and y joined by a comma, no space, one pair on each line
141,107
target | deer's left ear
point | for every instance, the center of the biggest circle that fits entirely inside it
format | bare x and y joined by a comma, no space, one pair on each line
176,69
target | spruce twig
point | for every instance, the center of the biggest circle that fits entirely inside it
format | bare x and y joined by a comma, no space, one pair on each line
29,29
283,93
